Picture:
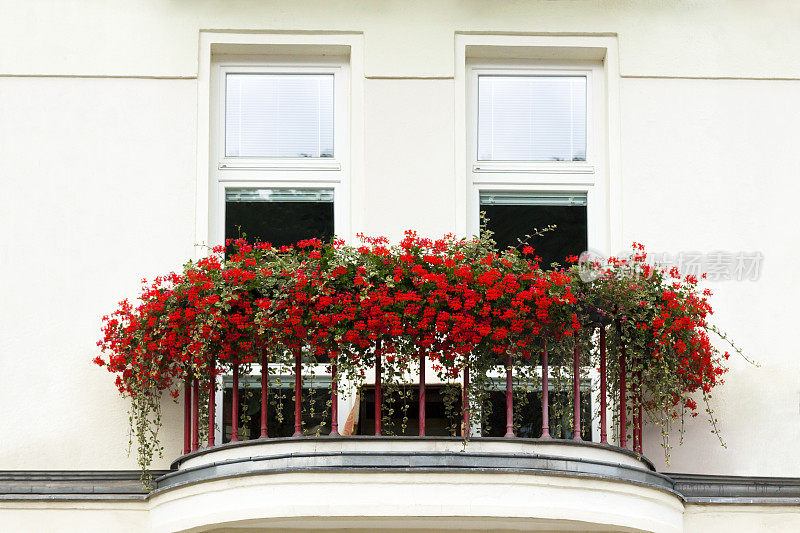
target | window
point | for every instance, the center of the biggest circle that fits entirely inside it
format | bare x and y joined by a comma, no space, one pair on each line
278,115
531,118
528,419
279,216
280,148
314,405
535,154
401,410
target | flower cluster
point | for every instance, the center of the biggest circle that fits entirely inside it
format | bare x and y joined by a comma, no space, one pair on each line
661,319
460,302
456,300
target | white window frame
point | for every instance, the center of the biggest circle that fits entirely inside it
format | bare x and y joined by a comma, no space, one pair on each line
587,177
280,172
261,166
526,68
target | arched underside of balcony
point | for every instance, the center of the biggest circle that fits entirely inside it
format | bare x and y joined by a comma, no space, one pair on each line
415,483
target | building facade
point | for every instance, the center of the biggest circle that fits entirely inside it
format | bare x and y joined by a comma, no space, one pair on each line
130,132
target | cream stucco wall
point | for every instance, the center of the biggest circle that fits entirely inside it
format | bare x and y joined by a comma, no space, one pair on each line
720,38
98,143
710,165
123,517
76,516
740,518
99,187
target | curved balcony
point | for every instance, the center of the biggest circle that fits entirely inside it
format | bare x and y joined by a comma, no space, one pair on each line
425,482
417,483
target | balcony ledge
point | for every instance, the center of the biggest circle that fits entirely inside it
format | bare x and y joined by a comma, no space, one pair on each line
556,447
437,482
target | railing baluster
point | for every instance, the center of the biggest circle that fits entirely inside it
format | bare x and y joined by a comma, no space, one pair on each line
509,397
465,403
212,403
639,417
603,378
334,401
545,393
378,378
635,415
264,394
576,391
298,392
235,404
623,431
187,414
195,414
421,394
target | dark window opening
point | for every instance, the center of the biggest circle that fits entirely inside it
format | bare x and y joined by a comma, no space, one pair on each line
314,405
442,411
528,415
513,216
280,217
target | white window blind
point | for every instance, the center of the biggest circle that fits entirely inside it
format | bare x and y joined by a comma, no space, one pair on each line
279,115
531,118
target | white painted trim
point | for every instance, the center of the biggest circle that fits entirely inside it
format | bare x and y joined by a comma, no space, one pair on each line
599,177
533,167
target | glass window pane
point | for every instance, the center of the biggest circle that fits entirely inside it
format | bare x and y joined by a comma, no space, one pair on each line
528,414
279,115
531,118
401,411
314,405
279,216
514,214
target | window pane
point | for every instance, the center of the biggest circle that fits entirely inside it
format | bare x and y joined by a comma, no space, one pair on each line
314,408
528,414
512,215
279,216
279,115
532,118
400,411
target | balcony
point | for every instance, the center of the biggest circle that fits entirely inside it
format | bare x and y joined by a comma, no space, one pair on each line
522,390
463,481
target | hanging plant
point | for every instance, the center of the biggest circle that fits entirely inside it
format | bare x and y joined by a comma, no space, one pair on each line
461,302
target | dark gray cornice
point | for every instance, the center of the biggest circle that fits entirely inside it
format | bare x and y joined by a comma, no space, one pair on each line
708,489
73,484
52,485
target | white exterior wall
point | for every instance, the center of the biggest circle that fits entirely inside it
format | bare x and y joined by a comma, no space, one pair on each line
98,144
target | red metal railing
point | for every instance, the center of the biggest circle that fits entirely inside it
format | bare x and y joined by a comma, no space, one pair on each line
192,399
422,395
